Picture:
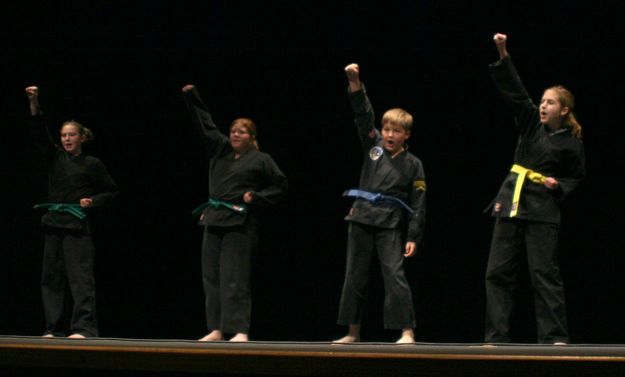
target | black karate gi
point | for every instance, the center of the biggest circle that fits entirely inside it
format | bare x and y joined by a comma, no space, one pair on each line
68,257
382,227
231,237
553,153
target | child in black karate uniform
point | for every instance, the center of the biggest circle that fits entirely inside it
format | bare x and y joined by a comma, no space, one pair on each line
76,184
548,165
387,216
241,180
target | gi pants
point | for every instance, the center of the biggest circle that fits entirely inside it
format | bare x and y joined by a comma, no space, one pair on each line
67,269
226,267
511,238
363,242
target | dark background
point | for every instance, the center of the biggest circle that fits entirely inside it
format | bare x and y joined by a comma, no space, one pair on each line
118,68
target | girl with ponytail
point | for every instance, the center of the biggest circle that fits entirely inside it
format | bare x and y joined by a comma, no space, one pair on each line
548,165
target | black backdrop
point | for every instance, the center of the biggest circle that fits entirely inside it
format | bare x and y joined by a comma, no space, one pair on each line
118,68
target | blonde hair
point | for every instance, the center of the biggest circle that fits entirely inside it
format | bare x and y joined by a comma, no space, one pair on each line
398,116
82,130
250,126
567,99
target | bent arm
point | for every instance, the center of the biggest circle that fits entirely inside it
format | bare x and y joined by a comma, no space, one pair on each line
273,190
576,171
106,187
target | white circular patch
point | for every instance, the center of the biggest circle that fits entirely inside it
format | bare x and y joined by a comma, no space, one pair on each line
376,152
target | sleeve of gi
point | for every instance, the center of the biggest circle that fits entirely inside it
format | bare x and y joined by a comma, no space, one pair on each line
508,82
106,188
275,187
364,117
203,120
416,198
576,163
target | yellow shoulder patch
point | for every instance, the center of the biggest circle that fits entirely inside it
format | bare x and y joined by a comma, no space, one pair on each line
419,185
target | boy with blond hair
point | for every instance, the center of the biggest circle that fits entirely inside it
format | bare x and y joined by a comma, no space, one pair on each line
387,216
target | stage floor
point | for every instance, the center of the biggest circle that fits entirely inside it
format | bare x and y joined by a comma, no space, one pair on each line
21,355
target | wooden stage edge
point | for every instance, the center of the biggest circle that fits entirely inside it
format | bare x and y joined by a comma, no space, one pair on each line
21,355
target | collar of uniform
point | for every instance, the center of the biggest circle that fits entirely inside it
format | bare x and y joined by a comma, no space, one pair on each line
559,131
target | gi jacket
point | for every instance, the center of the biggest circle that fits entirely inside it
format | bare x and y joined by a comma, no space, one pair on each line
230,177
553,153
71,178
401,177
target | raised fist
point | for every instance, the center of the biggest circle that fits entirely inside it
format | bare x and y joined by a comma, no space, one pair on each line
188,88
500,39
32,91
352,71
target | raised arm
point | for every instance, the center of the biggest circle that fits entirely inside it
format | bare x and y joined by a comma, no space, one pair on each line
203,120
364,116
508,82
500,43
38,128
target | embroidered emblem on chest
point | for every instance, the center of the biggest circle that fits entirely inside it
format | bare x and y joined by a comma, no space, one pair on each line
375,153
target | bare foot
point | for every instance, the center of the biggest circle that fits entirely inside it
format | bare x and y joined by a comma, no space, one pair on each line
353,334
407,337
240,337
77,336
214,335
405,340
347,339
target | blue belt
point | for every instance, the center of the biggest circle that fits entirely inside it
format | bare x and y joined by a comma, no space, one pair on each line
218,203
377,198
73,209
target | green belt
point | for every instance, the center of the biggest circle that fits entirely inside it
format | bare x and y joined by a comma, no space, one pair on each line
218,203
73,209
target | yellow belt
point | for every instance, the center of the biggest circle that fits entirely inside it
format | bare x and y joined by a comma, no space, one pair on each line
522,173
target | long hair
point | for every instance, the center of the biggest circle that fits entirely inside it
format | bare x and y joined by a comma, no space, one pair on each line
250,126
567,99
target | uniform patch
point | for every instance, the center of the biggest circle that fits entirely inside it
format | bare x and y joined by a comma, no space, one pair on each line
372,134
419,185
376,152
